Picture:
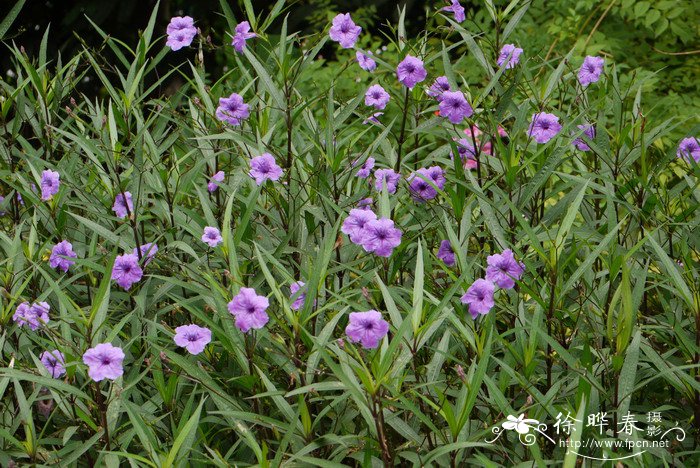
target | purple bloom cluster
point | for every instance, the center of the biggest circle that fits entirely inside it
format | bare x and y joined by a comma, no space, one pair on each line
502,270
249,309
104,361
509,50
454,106
689,148
457,9
580,143
126,270
446,254
411,71
366,168
181,32
61,255
367,328
50,183
264,167
425,182
439,86
148,251
544,127
298,297
344,31
242,35
192,337
33,316
590,70
378,236
215,180
232,110
376,97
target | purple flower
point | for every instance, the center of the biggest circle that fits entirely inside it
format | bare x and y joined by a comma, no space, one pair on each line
354,224
212,236
294,289
126,270
455,107
509,50
367,328
216,179
386,177
2,200
410,71
544,127
55,363
590,70
33,316
503,269
689,147
420,183
446,254
104,361
181,31
439,86
232,109
374,118
249,309
50,183
457,9
192,337
123,205
148,251
344,31
479,296
365,204
242,34
264,167
589,131
466,153
366,62
364,171
61,255
377,97
381,237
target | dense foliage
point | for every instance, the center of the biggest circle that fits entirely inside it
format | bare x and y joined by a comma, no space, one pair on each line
571,180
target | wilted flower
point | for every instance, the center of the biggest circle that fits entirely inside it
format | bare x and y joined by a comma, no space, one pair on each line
181,31
54,362
192,337
61,255
590,70
242,34
264,168
386,177
457,9
454,106
544,127
377,97
509,50
33,316
373,118
689,147
104,361
479,296
344,31
354,224
126,270
589,131
446,254
439,86
123,205
216,179
503,269
249,309
300,297
410,71
232,109
367,328
211,236
364,171
380,237
50,183
365,203
366,62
